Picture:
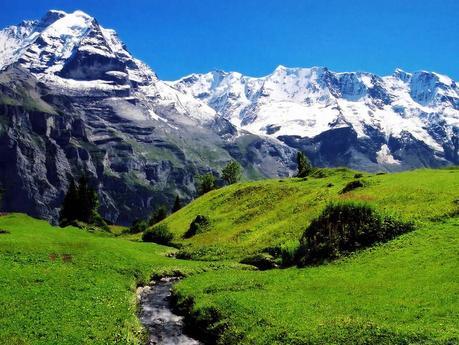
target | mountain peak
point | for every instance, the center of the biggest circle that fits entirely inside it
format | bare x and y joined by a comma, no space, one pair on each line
401,74
71,46
51,16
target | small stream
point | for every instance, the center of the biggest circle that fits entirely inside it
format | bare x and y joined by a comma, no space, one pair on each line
164,327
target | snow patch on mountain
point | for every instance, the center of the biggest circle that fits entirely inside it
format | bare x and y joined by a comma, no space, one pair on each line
305,102
378,117
384,156
72,53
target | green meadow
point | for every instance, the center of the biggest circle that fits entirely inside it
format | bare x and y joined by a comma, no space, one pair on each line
71,286
402,292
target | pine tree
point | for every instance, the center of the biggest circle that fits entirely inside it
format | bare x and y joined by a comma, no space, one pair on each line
177,204
231,173
86,199
81,203
304,165
70,205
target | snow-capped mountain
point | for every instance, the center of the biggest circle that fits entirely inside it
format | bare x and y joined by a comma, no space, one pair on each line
75,54
73,99
392,114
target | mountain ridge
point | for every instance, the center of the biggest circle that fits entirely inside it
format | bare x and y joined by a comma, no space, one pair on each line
74,99
107,114
306,102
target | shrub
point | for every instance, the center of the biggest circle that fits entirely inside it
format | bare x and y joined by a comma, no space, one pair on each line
343,228
158,215
318,173
284,255
262,261
98,221
139,225
159,234
352,185
289,255
199,225
358,175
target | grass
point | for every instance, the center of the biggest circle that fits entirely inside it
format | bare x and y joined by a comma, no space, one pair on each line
402,292
68,286
249,217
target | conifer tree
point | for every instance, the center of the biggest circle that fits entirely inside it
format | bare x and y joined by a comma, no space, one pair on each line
304,165
177,204
70,207
81,203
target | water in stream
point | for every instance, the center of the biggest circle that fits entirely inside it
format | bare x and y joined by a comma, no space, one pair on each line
164,327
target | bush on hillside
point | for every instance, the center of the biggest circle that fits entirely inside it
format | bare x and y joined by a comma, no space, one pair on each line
346,227
285,255
199,225
289,255
352,185
158,215
177,204
159,234
138,226
318,173
262,261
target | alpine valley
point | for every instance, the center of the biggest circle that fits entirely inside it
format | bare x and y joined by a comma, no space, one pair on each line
72,99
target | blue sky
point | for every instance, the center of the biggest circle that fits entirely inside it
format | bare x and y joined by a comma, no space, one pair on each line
179,37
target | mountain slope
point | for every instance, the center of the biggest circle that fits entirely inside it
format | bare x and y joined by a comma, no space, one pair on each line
73,99
248,218
355,119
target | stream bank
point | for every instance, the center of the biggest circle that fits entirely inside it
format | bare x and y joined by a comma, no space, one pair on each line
164,327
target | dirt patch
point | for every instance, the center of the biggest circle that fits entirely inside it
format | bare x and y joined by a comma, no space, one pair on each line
66,258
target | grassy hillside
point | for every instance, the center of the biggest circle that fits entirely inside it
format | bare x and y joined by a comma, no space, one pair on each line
249,217
402,292
68,286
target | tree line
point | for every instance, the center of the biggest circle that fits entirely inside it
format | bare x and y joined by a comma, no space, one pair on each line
81,202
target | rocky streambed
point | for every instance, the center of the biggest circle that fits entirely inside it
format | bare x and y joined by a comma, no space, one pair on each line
164,327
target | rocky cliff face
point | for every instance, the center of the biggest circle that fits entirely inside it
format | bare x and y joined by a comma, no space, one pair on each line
73,100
